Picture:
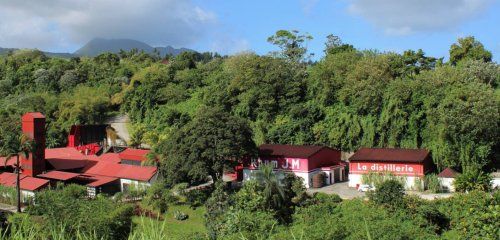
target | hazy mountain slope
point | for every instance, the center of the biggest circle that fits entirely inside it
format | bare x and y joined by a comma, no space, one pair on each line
100,45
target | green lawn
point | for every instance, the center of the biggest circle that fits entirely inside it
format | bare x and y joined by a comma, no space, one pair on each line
181,229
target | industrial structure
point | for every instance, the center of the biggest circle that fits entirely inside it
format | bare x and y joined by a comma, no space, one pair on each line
84,161
408,164
303,161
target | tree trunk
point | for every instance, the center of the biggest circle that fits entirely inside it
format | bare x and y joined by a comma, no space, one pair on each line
18,185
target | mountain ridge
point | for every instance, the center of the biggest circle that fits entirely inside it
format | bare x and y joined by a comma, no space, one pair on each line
97,46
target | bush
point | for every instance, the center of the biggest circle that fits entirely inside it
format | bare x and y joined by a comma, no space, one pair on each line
473,179
69,210
431,182
198,197
178,215
389,193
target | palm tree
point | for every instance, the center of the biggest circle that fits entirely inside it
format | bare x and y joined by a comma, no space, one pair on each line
272,188
14,145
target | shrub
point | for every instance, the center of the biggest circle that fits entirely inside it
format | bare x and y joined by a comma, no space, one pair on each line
178,215
472,179
418,184
431,182
69,209
389,193
198,197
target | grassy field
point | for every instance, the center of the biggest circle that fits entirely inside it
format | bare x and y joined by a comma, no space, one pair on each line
175,229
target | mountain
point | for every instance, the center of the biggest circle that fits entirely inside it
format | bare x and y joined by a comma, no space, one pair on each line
99,45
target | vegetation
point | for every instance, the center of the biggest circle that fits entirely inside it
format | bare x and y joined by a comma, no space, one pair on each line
202,113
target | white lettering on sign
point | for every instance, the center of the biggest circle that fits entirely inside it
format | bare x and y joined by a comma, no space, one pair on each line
287,163
295,164
377,167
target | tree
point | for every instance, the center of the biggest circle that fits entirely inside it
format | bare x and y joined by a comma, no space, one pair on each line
472,179
291,44
14,145
204,146
389,193
216,206
273,191
469,48
335,45
69,80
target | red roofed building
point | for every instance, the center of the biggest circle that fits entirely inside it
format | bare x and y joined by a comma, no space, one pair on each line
29,185
447,179
133,156
303,161
407,163
104,173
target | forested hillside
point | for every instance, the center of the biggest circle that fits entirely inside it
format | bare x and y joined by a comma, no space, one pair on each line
347,99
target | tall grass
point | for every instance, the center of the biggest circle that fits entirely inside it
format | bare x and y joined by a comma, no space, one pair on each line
149,230
25,230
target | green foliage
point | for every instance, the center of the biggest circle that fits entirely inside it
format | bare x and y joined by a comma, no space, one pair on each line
291,44
180,216
100,216
376,179
468,48
432,183
389,193
472,179
204,146
473,215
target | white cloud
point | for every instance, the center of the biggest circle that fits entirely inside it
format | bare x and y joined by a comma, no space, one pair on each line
308,5
225,44
55,23
403,17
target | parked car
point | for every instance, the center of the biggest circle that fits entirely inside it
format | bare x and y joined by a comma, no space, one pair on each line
366,188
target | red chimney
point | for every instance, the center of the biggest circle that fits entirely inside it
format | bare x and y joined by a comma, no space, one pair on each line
33,125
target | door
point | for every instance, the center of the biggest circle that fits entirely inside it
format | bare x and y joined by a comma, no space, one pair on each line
336,174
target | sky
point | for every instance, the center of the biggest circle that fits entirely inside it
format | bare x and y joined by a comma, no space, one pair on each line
229,26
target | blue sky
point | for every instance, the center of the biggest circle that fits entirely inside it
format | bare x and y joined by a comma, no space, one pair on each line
253,21
230,26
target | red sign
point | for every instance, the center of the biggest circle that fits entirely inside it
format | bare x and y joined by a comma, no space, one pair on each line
289,164
395,168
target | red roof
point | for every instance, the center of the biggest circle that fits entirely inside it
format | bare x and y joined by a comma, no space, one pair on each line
97,181
107,164
390,155
27,182
32,115
140,173
448,173
134,154
59,175
298,151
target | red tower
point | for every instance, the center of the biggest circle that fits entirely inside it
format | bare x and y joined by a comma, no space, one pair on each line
33,125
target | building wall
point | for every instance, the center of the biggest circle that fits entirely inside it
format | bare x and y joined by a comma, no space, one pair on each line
447,184
249,174
496,182
324,158
127,183
408,169
409,181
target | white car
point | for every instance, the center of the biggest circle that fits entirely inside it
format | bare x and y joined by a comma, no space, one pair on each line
365,188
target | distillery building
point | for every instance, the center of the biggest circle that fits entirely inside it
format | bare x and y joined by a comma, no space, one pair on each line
303,161
84,161
408,164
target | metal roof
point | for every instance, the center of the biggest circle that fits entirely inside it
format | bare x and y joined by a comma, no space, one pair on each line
140,173
27,182
390,155
59,175
448,173
279,150
134,154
